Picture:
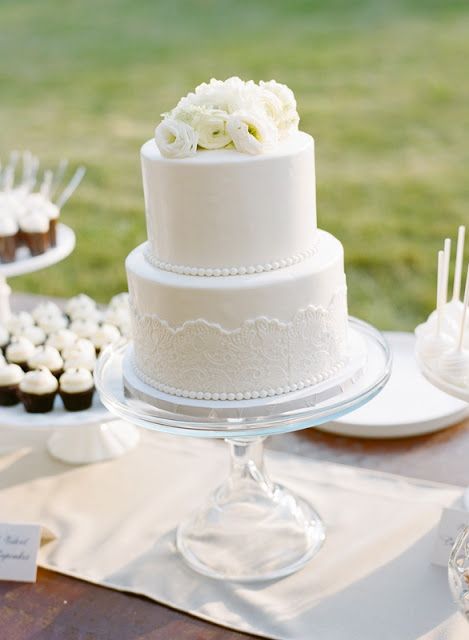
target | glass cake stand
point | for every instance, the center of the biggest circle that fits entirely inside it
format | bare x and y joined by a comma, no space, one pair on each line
250,529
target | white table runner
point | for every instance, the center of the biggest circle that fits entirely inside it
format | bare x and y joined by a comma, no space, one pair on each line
115,523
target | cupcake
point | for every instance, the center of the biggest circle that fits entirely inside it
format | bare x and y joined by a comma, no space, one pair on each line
35,230
52,212
51,323
46,309
3,360
76,389
81,355
62,339
18,321
104,335
8,236
19,351
4,338
80,304
84,327
35,334
10,378
47,357
119,301
37,391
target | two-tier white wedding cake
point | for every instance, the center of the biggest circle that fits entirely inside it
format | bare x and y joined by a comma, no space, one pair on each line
236,295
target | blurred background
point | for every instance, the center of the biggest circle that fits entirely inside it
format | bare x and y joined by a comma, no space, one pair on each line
382,85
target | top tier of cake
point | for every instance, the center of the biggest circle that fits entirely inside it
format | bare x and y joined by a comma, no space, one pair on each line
221,212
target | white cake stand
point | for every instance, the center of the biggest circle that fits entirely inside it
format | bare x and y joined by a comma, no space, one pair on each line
26,263
79,437
250,529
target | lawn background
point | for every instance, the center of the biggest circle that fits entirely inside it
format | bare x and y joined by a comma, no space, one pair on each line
382,86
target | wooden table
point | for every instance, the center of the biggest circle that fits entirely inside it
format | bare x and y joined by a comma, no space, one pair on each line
62,608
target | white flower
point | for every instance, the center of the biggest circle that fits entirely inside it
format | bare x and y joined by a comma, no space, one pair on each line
176,139
251,132
287,120
211,125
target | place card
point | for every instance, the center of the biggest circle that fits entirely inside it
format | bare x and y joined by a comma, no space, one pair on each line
19,545
451,523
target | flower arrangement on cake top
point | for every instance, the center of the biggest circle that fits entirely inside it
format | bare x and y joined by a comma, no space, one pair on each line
249,117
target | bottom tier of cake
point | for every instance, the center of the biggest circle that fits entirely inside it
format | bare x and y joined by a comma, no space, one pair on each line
239,337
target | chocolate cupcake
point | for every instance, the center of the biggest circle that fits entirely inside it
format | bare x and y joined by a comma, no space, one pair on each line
81,354
8,238
35,334
19,351
52,212
104,335
62,339
37,391
76,389
47,357
84,327
52,322
34,227
10,378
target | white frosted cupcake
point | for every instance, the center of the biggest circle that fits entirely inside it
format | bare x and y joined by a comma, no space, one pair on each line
46,309
62,339
52,323
19,351
37,391
79,304
10,378
48,357
35,334
120,301
34,227
76,389
104,335
18,321
52,212
81,355
8,238
84,327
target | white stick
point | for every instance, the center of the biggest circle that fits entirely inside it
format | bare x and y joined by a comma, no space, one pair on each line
46,183
58,176
70,188
464,312
439,291
459,260
447,251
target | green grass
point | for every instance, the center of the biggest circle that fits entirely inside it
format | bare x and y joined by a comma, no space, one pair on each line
382,86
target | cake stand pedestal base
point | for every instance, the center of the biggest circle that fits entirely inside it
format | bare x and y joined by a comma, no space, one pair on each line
251,529
89,443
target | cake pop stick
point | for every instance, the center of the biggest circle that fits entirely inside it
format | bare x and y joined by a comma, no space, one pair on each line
58,177
464,313
458,266
70,188
46,183
440,291
447,253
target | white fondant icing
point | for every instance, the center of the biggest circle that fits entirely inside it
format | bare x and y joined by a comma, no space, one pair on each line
221,207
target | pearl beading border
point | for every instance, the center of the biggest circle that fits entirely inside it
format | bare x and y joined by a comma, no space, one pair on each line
227,271
246,395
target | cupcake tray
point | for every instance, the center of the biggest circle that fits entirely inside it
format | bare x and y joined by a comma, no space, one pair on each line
78,437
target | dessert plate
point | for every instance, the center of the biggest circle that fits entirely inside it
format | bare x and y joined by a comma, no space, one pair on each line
409,405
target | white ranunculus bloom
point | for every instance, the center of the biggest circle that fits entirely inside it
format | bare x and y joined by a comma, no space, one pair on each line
176,139
211,125
287,121
251,132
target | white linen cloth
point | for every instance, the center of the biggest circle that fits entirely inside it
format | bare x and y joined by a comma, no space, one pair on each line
115,526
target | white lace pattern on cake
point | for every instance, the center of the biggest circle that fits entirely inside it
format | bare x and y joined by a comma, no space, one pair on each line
264,357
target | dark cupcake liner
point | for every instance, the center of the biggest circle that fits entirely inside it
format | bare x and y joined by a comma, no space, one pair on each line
37,243
77,401
7,248
53,233
38,403
9,395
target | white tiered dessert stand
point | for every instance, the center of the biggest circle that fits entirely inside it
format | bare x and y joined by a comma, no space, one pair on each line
250,529
79,437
